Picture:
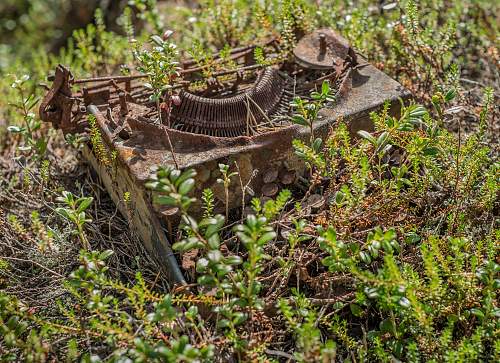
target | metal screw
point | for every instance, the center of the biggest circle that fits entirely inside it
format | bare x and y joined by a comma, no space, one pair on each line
322,43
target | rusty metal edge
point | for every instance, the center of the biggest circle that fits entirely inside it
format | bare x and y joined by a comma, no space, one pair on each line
143,218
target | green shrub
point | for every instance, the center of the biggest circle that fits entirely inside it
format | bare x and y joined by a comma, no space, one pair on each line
400,264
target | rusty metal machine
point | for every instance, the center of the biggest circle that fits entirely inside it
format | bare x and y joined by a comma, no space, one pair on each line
238,116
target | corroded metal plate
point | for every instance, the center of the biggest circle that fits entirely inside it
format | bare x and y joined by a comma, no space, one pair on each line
322,49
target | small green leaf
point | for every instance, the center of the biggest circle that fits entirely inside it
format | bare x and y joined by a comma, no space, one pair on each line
325,88
450,95
416,112
356,310
412,238
266,237
477,312
223,323
186,186
300,120
214,256
366,135
386,326
202,265
15,129
339,197
317,144
158,40
187,244
105,254
84,204
63,212
190,173
206,280
239,318
431,151
233,260
365,257
165,200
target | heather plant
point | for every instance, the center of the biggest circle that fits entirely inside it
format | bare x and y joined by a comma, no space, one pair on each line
272,207
101,316
416,42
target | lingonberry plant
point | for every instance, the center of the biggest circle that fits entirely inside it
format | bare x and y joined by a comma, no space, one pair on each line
161,65
25,105
74,211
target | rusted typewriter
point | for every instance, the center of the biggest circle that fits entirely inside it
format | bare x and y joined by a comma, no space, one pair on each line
239,116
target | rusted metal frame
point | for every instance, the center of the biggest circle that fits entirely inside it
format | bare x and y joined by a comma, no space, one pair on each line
57,104
129,78
242,51
109,78
159,242
122,79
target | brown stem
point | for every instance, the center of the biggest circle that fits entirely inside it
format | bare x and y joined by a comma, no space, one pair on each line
226,192
165,128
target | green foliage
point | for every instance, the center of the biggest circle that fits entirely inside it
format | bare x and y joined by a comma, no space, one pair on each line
134,328
311,155
306,114
160,64
98,50
203,58
208,202
147,10
303,319
271,208
226,182
215,269
401,264
174,187
306,111
254,235
74,212
31,124
260,57
418,310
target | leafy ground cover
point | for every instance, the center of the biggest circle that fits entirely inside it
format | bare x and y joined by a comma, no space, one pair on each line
396,259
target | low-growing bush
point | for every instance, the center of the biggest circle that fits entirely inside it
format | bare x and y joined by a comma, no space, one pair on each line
395,260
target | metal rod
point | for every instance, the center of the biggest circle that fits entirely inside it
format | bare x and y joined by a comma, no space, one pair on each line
322,43
115,78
